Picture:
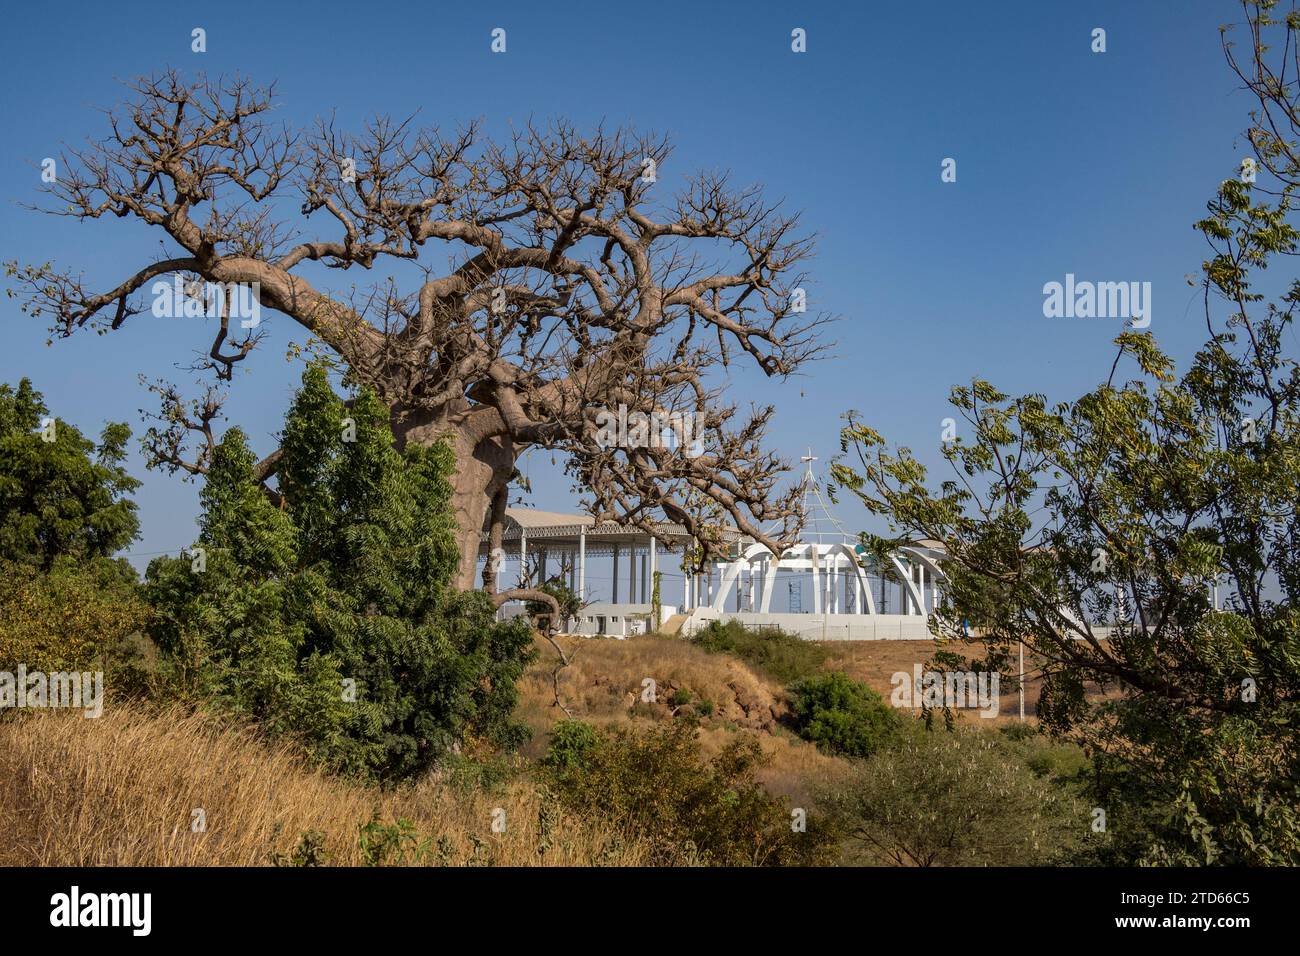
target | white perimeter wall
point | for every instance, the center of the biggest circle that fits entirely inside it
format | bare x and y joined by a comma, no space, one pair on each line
823,627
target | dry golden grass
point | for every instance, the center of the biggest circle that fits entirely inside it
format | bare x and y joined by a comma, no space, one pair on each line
120,790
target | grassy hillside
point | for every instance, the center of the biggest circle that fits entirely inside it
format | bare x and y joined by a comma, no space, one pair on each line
124,789
603,685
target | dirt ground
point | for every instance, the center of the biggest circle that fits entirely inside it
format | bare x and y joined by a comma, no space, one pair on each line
875,662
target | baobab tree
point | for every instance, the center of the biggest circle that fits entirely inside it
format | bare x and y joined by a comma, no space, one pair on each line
570,287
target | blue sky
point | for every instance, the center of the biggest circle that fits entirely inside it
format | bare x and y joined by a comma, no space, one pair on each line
1067,161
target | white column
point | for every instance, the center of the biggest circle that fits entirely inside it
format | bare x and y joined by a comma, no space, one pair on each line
816,579
582,563
615,597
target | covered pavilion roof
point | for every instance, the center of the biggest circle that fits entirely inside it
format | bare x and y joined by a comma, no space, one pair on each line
564,529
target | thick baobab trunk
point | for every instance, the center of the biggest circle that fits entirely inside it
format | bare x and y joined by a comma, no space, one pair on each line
482,472
475,483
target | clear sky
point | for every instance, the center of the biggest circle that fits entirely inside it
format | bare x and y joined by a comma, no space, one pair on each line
1067,162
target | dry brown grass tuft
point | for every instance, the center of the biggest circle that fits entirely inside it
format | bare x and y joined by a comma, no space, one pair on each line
120,790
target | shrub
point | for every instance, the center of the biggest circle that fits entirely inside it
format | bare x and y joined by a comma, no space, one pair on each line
1059,762
74,617
841,715
654,785
393,844
784,657
954,798
572,743
310,851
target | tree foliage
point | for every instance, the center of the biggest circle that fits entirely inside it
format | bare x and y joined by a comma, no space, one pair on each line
1095,530
330,614
60,493
841,715
65,603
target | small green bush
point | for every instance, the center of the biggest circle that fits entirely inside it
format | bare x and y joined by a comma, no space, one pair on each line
393,844
78,615
784,657
572,743
841,715
654,784
310,851
1060,762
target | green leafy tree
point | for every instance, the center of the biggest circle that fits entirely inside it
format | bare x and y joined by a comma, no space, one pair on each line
60,493
1098,530
65,509
328,613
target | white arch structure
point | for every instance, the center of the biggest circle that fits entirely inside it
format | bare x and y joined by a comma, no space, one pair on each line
828,562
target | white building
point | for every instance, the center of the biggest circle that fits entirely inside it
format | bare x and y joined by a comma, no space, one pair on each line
613,568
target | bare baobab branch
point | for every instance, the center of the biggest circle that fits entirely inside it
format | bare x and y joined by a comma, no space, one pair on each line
577,287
